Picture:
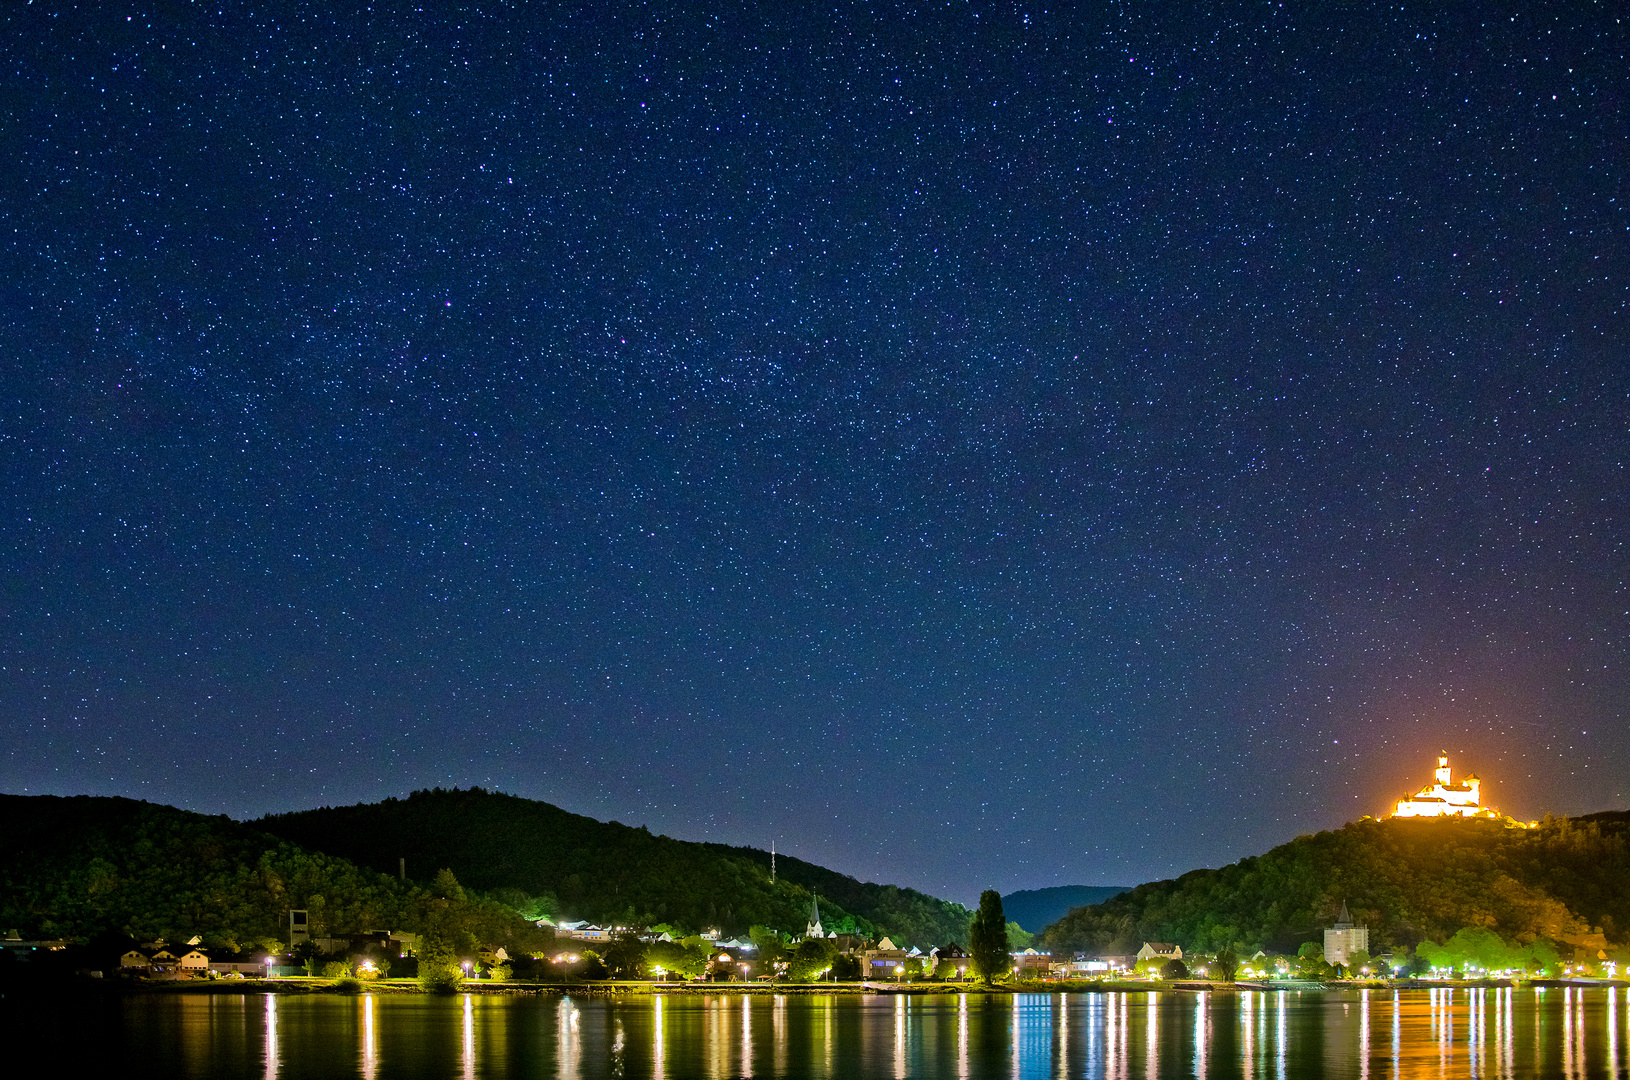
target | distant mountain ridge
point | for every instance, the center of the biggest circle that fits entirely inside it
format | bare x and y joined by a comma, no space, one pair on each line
1036,909
528,851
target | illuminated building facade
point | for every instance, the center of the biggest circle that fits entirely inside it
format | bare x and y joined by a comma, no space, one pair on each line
1345,938
1444,798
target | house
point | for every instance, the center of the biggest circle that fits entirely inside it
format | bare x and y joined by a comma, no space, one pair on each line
386,942
1159,950
165,960
191,962
1084,968
1031,964
881,961
587,931
730,965
952,954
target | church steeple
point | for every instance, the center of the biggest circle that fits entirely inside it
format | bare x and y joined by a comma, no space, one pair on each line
813,930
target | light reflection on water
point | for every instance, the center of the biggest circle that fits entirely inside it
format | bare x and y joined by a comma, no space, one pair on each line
370,1052
1495,1033
269,1054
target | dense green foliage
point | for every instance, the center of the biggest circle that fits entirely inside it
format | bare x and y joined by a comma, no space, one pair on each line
82,866
987,938
542,858
676,959
1475,949
1408,880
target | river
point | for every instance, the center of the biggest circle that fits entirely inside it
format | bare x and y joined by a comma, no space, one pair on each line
1566,1032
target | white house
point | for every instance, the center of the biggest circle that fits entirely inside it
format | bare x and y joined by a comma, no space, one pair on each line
1160,950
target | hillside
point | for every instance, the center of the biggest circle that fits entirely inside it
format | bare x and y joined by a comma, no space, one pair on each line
539,857
1409,880
82,866
1035,909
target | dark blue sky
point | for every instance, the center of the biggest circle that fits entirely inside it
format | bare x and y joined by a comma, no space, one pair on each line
969,445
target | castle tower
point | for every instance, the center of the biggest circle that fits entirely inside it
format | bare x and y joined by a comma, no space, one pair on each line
1445,798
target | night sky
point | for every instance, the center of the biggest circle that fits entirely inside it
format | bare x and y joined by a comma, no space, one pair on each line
966,445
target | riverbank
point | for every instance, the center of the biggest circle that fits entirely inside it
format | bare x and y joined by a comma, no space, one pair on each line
298,985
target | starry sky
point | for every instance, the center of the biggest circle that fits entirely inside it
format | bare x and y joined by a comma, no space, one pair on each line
968,445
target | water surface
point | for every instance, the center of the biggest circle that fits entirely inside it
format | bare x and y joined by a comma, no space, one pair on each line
1560,1032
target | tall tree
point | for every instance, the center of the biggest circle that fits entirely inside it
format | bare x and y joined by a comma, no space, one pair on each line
626,956
987,938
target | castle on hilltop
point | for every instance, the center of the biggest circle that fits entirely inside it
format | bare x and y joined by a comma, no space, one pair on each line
1444,798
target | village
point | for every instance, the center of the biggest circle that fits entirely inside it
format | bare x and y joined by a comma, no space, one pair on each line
589,953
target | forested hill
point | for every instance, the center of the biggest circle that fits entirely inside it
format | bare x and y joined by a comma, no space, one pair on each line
85,866
541,858
1409,880
1034,909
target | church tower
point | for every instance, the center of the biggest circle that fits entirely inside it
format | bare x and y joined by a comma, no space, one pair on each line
813,930
1345,938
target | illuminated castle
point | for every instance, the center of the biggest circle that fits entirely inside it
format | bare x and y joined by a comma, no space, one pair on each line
1446,798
